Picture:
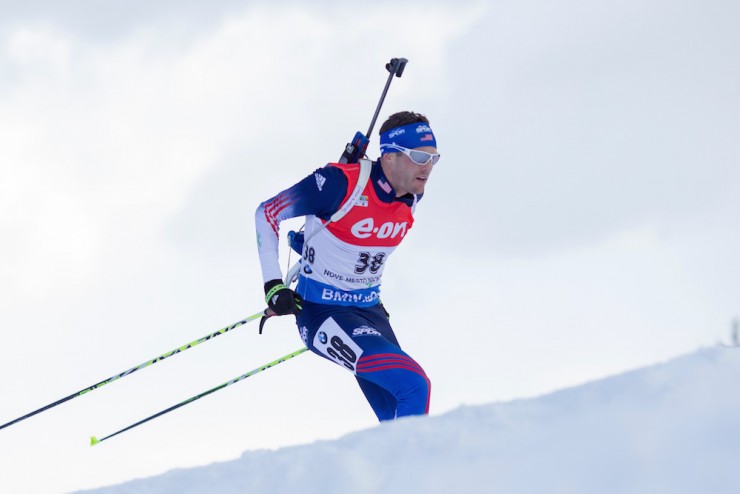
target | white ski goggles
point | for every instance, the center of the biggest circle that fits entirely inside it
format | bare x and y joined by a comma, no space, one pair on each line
418,157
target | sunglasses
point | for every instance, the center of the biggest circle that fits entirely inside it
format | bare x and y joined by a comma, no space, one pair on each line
418,157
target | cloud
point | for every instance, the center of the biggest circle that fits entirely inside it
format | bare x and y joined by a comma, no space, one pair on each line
582,126
118,146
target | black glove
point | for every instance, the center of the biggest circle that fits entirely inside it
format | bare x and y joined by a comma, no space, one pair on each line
282,300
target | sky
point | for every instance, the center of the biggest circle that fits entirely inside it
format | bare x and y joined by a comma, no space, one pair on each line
581,222
666,428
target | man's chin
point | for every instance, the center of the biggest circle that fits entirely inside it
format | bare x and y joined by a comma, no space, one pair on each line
419,187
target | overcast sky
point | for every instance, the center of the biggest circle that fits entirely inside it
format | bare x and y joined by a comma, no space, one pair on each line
585,208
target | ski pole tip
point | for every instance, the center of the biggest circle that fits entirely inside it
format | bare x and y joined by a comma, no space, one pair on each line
94,440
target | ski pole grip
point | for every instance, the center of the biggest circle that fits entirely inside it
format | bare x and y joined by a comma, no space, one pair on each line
396,66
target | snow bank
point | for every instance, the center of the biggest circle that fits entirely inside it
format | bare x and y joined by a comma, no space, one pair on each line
671,428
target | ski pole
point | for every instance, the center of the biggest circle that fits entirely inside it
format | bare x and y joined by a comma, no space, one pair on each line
94,440
395,67
355,149
138,367
353,152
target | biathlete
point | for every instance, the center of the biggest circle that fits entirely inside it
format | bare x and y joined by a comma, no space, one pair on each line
337,299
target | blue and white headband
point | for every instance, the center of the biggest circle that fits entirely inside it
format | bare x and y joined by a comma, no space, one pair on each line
413,135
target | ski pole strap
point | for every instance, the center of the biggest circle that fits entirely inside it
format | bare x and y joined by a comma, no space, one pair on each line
273,291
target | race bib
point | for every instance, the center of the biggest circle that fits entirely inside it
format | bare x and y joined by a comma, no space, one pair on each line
334,343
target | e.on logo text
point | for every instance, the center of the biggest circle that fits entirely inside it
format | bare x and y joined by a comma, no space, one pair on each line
366,228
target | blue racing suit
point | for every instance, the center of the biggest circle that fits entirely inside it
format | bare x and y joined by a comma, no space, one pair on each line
341,269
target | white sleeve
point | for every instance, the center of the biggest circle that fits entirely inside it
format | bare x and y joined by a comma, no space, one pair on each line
267,245
320,193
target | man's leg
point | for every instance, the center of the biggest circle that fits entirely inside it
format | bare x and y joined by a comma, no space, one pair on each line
362,341
382,402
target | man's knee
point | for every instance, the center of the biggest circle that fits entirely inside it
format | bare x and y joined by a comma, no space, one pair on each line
413,398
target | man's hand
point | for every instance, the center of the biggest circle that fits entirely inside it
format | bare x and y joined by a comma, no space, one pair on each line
282,300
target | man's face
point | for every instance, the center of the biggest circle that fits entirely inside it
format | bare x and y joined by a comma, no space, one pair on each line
406,176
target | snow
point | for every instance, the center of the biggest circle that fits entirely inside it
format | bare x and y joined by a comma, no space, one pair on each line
669,428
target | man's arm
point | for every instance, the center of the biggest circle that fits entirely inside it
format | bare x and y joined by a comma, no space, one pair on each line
320,194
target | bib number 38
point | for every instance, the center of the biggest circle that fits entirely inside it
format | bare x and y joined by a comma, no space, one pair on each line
334,343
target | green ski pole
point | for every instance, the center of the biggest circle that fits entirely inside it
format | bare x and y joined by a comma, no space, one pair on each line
94,440
138,367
